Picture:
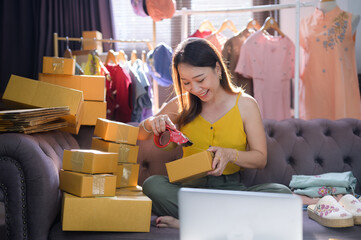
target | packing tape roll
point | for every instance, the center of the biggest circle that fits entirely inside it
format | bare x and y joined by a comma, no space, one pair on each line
58,65
98,184
77,161
164,142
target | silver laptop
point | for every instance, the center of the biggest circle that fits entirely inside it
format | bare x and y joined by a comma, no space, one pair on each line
223,214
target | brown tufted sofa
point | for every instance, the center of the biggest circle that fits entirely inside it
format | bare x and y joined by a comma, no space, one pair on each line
29,166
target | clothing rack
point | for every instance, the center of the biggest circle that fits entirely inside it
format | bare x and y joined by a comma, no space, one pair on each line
150,44
57,38
184,13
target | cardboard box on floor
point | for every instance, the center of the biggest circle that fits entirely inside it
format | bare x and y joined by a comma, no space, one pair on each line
122,213
87,185
116,131
90,44
127,175
92,110
90,161
126,153
58,65
191,167
93,87
40,94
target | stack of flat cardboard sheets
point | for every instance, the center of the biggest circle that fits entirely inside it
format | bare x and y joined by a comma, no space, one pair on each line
33,120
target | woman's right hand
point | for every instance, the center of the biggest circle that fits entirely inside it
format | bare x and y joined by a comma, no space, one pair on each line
158,123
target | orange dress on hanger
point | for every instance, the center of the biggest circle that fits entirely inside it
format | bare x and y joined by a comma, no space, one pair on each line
329,85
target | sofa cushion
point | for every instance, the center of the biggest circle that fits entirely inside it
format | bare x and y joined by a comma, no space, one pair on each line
299,147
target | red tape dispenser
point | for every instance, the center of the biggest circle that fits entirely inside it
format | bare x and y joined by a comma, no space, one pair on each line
170,139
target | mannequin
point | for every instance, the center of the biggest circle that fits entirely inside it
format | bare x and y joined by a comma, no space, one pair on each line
327,5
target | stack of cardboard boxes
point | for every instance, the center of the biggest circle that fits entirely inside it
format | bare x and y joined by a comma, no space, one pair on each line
87,208
32,93
121,138
93,87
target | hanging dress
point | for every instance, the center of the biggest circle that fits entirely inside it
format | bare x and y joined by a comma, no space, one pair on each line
269,61
230,53
329,85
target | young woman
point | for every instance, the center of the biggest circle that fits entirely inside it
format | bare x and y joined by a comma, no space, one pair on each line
216,116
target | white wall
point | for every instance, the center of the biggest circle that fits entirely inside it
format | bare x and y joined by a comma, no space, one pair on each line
288,20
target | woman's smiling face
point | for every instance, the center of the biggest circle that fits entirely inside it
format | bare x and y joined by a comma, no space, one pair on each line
202,82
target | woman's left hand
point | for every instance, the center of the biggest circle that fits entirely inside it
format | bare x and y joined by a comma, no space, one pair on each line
221,158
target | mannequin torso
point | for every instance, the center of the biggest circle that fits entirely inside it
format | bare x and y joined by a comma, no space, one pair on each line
326,6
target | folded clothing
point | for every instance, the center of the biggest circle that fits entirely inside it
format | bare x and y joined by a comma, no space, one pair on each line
324,184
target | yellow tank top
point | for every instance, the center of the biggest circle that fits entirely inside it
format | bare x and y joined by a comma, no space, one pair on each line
227,132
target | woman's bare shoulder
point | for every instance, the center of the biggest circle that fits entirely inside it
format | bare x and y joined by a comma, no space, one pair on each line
247,105
246,100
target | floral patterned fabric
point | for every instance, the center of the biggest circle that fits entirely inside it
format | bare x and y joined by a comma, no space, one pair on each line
329,84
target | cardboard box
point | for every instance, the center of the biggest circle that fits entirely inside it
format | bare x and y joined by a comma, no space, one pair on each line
93,87
72,129
128,190
191,167
58,65
116,131
93,110
90,161
127,175
40,94
89,43
126,153
87,185
122,213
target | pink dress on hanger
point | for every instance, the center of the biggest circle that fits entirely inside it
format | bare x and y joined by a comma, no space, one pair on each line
218,40
329,85
269,61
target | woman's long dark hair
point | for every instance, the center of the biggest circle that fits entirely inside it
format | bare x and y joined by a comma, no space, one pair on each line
197,52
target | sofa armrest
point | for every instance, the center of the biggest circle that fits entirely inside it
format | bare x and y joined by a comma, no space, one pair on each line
29,181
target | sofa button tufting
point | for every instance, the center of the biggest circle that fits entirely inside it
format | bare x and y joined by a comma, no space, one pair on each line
271,134
145,164
318,160
327,132
347,160
299,133
290,160
356,131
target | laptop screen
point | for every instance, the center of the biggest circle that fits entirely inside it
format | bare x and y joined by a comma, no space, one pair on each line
223,214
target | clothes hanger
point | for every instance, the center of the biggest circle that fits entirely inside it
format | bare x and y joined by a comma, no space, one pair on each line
227,24
122,57
206,25
144,56
67,53
133,57
111,55
253,24
150,46
81,43
270,22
